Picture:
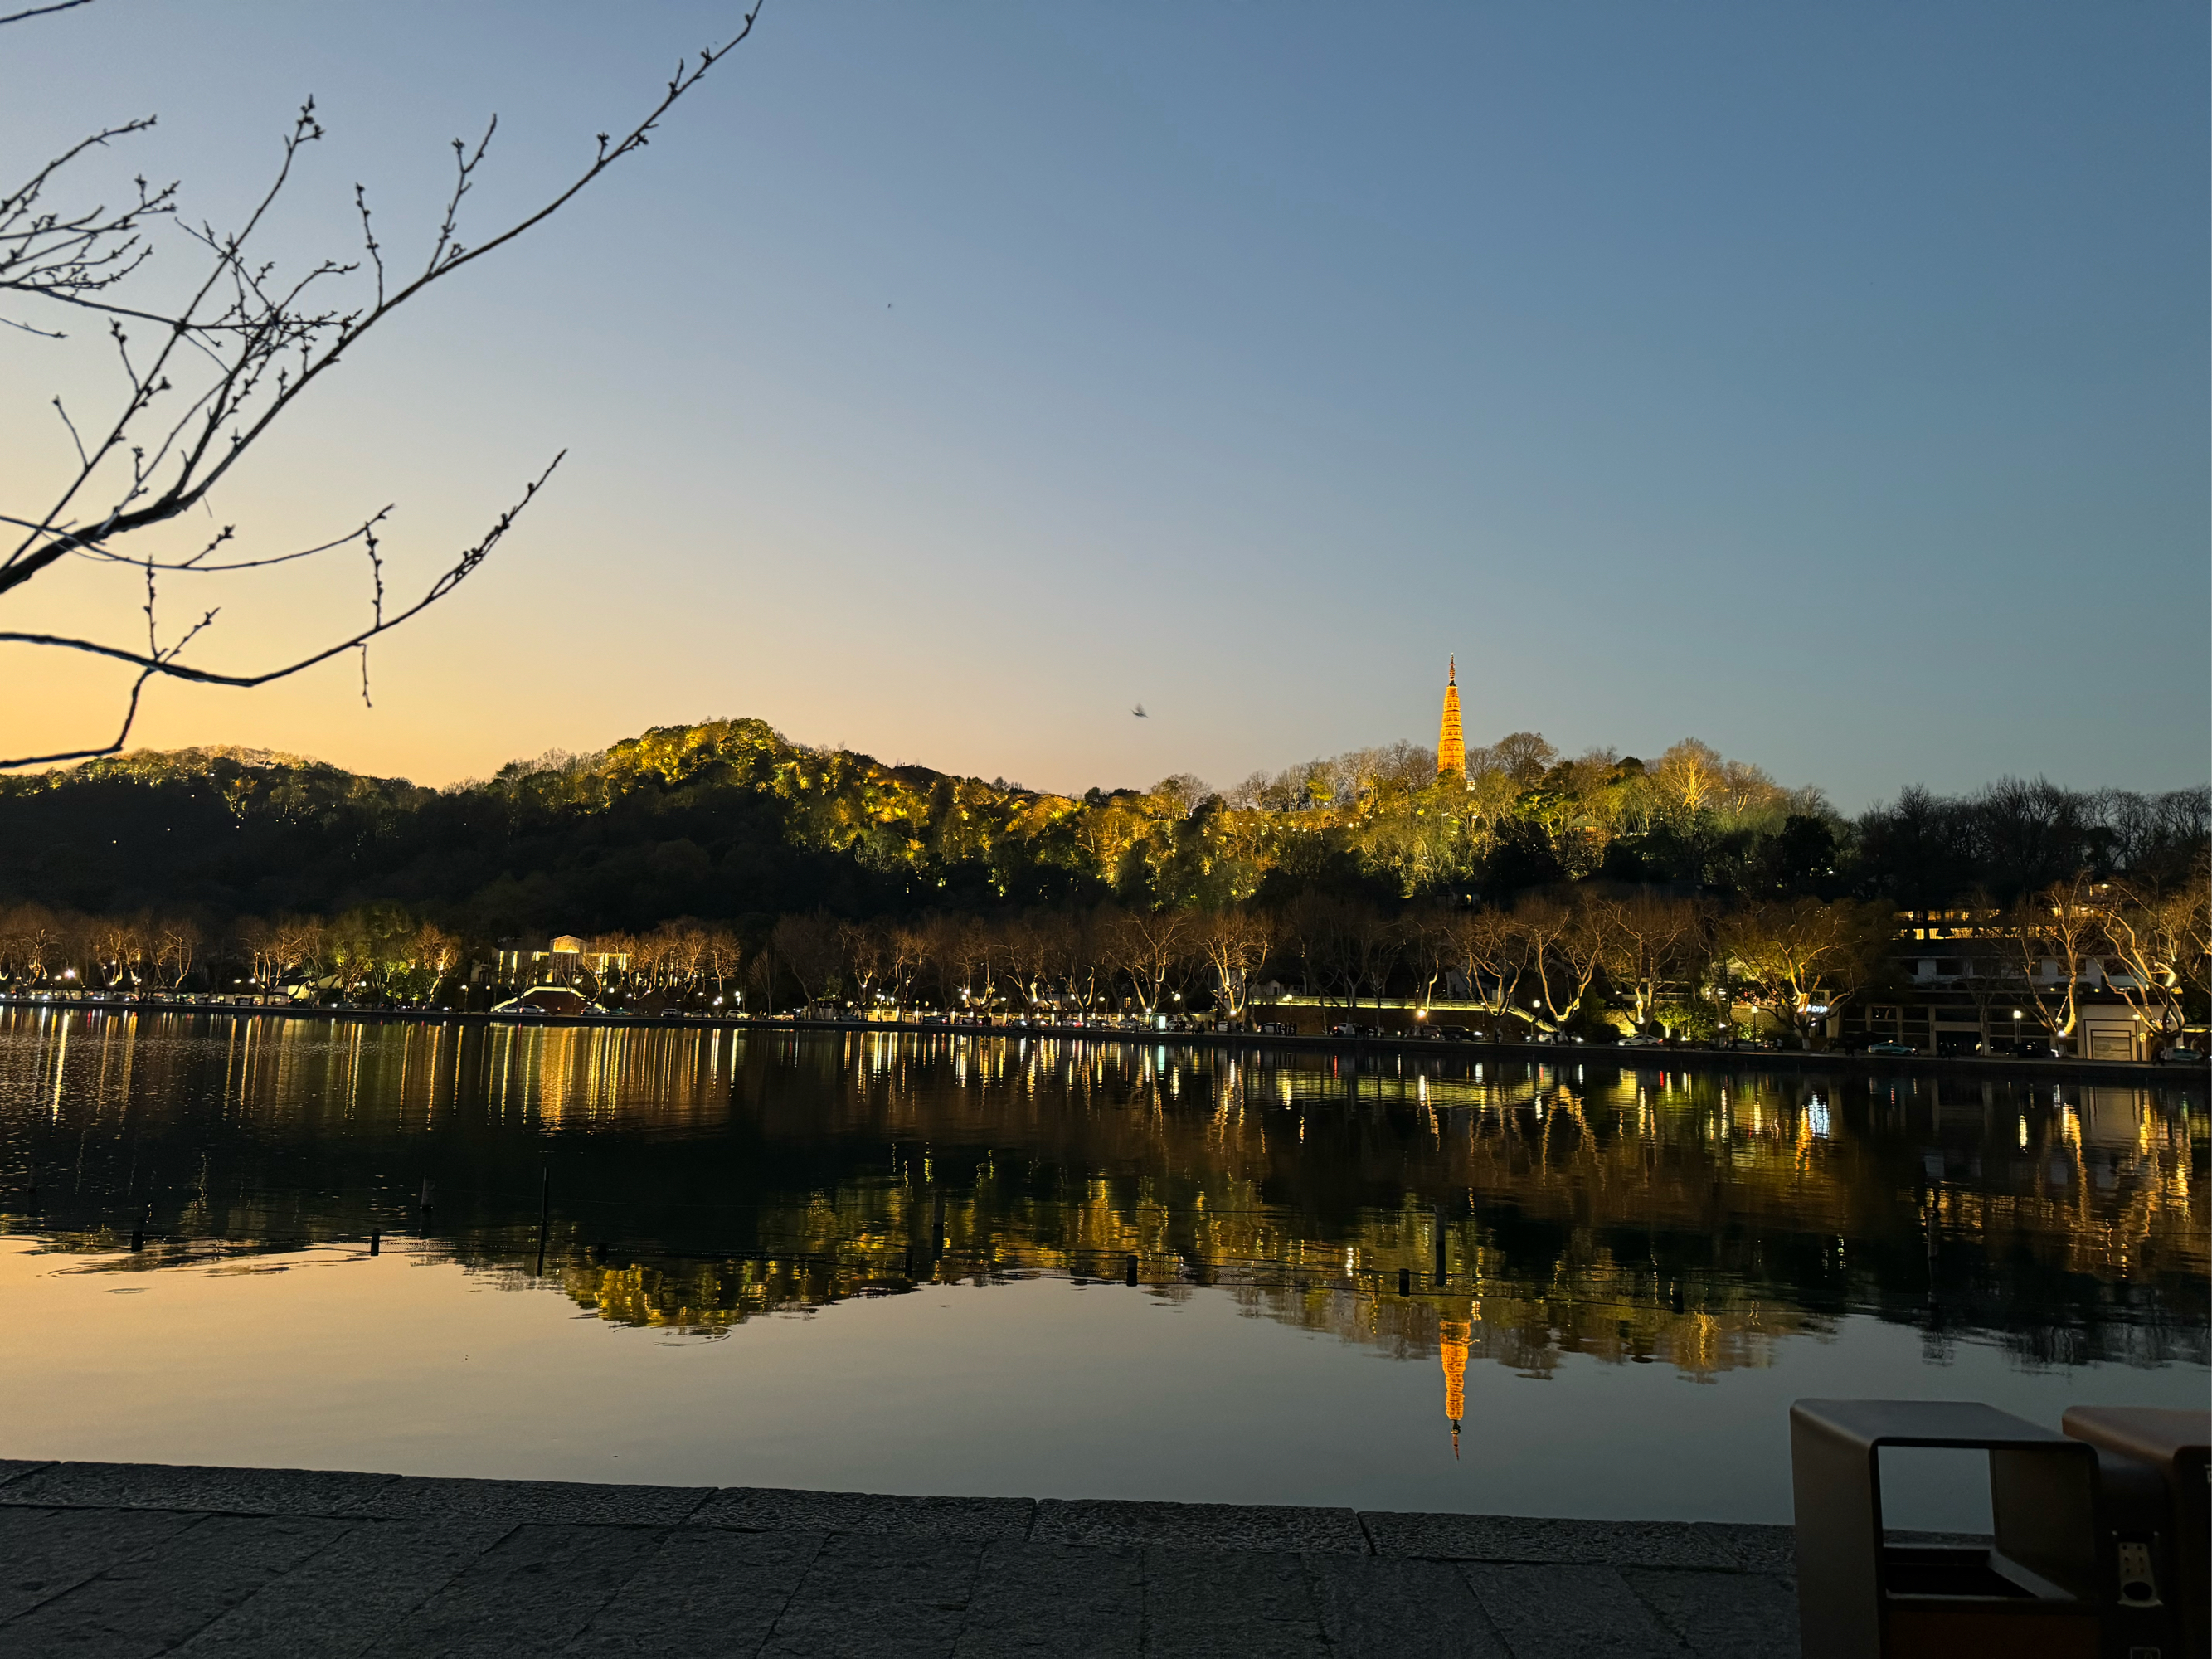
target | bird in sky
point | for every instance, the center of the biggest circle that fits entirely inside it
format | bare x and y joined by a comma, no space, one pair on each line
1139,711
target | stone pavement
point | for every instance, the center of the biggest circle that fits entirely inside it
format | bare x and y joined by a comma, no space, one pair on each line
124,1559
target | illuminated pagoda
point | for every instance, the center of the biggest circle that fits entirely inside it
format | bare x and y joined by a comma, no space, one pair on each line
1451,743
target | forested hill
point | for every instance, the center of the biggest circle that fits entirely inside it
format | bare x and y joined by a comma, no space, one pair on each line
729,819
718,820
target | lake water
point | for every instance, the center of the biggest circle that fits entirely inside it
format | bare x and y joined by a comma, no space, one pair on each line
903,1263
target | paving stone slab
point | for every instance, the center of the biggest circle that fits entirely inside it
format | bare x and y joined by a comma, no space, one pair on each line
1722,1615
1757,1549
136,1559
1541,1541
148,1604
1373,1609
1053,1598
1568,1612
14,1468
528,1503
190,1487
340,1603
769,1508
536,1588
48,1551
1262,1603
1124,1523
879,1598
703,1592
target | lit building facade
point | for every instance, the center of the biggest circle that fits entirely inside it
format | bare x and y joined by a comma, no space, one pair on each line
559,961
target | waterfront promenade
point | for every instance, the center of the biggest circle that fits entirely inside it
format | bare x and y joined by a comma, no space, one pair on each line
122,1560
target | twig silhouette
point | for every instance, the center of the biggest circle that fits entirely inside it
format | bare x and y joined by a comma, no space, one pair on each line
214,375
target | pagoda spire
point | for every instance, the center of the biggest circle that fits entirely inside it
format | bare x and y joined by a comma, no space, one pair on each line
1451,743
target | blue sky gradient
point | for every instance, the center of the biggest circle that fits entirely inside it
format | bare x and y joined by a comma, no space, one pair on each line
1829,384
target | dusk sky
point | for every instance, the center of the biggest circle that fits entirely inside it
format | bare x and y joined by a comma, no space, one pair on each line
1828,384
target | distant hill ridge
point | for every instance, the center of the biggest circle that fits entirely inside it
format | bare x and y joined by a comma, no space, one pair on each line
724,817
728,818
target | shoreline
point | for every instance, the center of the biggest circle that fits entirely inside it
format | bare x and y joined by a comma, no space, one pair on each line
1988,1067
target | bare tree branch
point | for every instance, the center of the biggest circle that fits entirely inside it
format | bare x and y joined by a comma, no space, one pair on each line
74,256
213,373
40,11
195,565
162,660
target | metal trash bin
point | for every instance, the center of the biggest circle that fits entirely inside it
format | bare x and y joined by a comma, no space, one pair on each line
2032,1594
2153,1509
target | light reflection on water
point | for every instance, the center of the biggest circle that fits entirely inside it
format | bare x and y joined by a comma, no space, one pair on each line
1496,1226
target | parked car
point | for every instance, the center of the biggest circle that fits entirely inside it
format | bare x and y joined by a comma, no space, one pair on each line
1455,1034
1641,1040
1888,1048
2181,1054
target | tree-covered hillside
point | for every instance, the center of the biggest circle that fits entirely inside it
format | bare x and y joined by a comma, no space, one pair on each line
728,819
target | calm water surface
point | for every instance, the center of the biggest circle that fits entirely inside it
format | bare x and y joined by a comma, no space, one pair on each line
906,1264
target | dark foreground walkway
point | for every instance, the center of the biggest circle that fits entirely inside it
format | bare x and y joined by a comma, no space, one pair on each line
130,1560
